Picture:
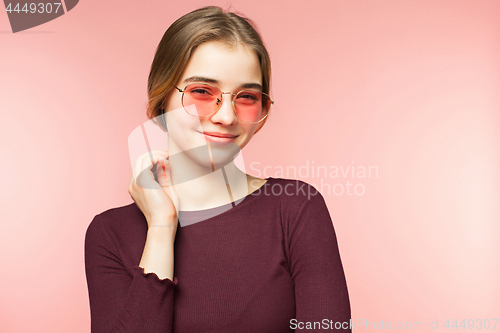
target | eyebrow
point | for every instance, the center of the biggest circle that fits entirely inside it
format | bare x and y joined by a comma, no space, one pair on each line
213,81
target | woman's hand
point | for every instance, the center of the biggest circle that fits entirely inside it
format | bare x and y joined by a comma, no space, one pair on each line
157,200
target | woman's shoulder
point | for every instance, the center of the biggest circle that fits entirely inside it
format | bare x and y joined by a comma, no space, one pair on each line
298,201
289,195
120,212
291,189
122,219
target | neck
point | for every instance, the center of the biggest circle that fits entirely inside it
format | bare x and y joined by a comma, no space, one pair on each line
201,184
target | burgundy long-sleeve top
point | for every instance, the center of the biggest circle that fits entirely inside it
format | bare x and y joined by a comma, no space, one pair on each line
271,263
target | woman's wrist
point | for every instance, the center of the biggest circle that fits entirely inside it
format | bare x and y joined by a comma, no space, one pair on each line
160,233
162,222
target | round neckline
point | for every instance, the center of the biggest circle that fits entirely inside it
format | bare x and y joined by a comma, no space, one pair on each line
233,204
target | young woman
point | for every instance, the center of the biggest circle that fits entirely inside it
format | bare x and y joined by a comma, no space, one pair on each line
206,247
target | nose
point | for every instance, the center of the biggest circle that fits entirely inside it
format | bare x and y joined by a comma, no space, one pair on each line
225,115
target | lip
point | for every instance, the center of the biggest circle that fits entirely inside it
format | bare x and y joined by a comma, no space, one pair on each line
218,137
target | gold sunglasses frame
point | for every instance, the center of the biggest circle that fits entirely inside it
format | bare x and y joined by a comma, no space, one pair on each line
221,101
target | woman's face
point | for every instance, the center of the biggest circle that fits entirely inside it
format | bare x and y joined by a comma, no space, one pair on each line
231,69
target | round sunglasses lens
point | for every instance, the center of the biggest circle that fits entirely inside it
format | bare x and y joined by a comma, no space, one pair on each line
201,100
251,106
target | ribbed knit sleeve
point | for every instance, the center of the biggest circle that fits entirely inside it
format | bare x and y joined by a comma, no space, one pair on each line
120,301
320,286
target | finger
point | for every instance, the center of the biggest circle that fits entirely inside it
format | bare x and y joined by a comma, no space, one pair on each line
138,165
163,153
166,173
158,153
147,154
170,190
146,177
161,173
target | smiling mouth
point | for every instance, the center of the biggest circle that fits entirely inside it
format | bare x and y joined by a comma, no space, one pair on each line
218,137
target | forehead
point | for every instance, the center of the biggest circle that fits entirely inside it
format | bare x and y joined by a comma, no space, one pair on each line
231,66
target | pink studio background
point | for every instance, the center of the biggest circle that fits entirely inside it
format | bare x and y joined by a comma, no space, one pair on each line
410,88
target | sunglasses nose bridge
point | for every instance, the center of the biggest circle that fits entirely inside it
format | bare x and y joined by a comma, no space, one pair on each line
220,99
219,104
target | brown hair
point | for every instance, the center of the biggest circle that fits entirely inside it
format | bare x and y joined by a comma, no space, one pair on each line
181,39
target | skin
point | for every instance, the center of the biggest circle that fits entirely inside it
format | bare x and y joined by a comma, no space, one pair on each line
232,68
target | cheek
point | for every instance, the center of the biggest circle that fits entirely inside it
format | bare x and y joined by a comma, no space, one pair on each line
177,117
181,129
173,101
250,130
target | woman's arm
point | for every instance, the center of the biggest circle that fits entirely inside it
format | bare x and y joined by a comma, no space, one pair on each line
119,302
158,254
320,285
143,302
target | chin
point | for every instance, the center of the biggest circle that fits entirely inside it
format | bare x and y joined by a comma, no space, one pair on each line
219,155
224,155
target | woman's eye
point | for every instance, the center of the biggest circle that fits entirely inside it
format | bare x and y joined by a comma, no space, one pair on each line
248,96
200,91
